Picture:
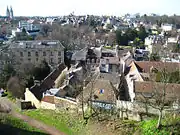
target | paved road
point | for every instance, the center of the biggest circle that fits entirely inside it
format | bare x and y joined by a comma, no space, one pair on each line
34,123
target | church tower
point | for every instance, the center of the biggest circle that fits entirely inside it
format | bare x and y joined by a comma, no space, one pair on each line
7,12
11,13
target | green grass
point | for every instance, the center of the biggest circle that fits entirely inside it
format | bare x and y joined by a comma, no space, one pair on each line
72,124
63,121
125,47
12,126
10,97
170,125
108,47
121,46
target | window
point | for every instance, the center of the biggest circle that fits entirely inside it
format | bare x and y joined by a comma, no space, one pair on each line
21,54
93,60
107,60
29,54
37,59
51,53
88,61
97,60
59,60
117,69
59,53
103,65
29,59
44,53
37,54
51,60
110,67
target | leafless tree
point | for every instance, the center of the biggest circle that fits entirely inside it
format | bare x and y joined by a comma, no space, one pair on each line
158,98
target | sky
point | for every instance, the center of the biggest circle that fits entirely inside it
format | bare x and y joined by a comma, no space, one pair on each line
95,7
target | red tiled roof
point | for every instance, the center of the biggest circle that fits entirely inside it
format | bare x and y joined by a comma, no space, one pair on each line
112,60
48,99
147,65
172,90
108,94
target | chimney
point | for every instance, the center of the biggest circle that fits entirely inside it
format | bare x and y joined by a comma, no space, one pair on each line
117,51
37,82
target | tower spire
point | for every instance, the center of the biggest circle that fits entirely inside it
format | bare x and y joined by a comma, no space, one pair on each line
7,12
11,12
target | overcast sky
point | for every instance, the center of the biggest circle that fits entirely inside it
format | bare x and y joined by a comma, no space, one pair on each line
96,7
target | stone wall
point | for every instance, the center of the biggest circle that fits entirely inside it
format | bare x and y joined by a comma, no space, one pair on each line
62,103
46,105
135,110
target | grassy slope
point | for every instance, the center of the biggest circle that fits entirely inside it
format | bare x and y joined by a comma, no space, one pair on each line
170,125
61,120
72,125
10,125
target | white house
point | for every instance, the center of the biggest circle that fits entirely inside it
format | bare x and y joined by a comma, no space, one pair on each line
166,27
28,25
132,75
31,29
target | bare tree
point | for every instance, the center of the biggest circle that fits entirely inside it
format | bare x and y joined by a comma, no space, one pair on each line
159,98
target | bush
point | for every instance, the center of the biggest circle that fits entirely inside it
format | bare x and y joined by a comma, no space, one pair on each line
108,47
10,97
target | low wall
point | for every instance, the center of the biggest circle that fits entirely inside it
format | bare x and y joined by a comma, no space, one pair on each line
134,110
62,103
45,105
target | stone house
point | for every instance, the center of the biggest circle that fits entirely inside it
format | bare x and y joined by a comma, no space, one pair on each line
131,75
58,103
147,66
35,93
34,52
101,92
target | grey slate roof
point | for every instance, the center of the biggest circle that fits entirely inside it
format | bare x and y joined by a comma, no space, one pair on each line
37,44
79,55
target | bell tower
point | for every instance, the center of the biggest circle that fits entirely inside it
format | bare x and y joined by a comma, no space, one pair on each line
7,12
11,13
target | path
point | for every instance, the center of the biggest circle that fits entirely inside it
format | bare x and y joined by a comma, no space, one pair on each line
37,124
34,123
